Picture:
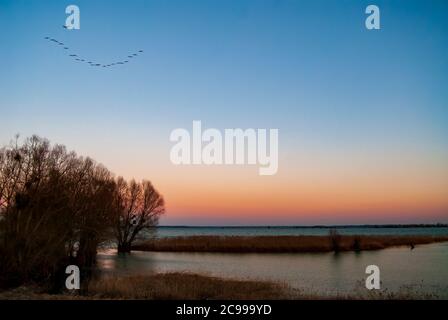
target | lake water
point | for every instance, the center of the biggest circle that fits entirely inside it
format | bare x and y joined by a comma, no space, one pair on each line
423,270
293,231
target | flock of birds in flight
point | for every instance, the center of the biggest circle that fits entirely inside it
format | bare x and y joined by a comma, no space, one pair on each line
92,63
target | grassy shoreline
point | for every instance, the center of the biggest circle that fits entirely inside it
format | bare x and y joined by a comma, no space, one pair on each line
282,244
160,286
190,286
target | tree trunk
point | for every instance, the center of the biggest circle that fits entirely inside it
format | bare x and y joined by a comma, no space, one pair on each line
124,247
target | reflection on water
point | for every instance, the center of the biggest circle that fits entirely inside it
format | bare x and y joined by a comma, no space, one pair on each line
424,269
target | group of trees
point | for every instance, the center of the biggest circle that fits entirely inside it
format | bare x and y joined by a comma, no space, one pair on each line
57,207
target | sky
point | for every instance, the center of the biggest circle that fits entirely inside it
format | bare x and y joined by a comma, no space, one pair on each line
362,114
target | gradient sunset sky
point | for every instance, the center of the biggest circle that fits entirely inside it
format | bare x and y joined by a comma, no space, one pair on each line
362,115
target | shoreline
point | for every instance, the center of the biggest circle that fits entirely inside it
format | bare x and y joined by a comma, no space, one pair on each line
194,286
283,244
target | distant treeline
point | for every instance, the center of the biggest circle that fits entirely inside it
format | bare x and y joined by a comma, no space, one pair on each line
436,225
57,207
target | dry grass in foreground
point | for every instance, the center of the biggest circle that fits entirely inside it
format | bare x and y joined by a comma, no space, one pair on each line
175,286
283,244
186,286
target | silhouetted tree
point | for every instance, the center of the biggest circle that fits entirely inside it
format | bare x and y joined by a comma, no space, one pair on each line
138,207
50,201
57,207
335,240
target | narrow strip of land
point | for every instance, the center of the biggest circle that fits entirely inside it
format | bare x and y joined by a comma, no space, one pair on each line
282,244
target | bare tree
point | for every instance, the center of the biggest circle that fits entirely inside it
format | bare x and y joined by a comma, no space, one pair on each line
50,199
57,207
138,208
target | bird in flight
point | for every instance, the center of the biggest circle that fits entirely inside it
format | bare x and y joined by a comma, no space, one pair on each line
78,58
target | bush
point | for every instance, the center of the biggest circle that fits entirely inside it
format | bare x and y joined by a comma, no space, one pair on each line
357,243
335,240
57,207
50,200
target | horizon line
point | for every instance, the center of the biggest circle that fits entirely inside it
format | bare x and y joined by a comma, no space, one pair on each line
406,225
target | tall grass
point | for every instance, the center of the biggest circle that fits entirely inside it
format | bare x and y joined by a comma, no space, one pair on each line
185,286
280,244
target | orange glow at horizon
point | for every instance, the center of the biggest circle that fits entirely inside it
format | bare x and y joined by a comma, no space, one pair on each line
337,187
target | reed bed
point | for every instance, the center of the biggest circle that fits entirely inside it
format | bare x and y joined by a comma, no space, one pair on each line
174,286
282,244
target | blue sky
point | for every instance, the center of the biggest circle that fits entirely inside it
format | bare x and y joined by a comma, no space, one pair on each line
309,68
248,63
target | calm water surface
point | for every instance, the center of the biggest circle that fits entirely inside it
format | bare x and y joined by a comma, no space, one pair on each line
423,270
